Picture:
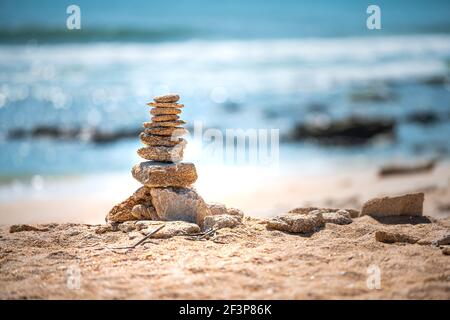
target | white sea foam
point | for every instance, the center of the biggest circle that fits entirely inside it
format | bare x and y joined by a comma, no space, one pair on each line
255,64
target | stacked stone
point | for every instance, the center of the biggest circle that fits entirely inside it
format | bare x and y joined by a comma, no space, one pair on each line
162,136
164,147
166,193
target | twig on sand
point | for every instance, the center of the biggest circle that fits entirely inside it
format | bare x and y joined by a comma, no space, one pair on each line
142,240
202,235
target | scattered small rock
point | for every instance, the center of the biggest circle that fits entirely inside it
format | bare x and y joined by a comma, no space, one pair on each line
442,241
143,224
297,223
352,213
219,209
109,227
398,169
341,217
404,205
25,227
446,251
393,237
221,221
127,226
133,235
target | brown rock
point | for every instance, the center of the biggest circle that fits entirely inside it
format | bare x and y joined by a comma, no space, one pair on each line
183,204
393,237
171,97
110,227
164,124
221,221
163,174
297,223
165,105
153,140
160,111
127,226
165,117
341,217
123,211
166,131
144,212
351,212
221,209
164,154
25,227
405,205
398,169
442,241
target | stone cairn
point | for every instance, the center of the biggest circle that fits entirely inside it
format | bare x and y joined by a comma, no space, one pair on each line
167,193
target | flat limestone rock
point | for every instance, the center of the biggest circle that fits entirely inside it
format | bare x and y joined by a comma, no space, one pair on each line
25,227
171,228
171,97
183,204
221,209
405,205
174,123
393,237
165,117
166,131
305,210
297,223
165,105
160,111
221,221
163,174
166,141
164,154
123,211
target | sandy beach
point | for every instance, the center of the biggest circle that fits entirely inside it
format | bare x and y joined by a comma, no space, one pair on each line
72,261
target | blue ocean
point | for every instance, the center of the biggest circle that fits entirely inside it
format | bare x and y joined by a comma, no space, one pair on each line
71,101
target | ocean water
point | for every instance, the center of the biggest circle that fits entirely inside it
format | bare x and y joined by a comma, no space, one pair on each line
237,64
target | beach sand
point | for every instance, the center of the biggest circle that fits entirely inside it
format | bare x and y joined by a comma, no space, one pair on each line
71,261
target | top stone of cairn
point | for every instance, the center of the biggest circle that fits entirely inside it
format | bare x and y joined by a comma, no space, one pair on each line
171,97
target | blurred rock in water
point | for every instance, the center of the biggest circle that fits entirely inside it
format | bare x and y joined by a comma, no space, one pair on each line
373,95
345,132
424,117
85,134
397,169
437,80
